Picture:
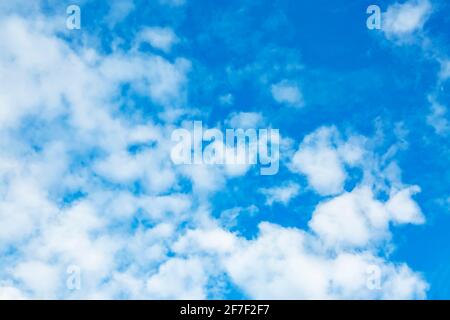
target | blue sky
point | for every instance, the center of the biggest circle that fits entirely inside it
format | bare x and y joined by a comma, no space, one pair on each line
359,208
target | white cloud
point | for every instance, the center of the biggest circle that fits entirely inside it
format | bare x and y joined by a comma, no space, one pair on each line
336,260
403,209
41,278
282,194
245,120
10,293
355,219
284,263
159,38
288,93
146,166
400,21
229,217
205,178
179,279
119,10
275,266
351,219
80,197
216,241
49,80
151,76
437,118
322,157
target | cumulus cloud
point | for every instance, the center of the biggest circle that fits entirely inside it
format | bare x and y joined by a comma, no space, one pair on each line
288,93
403,24
339,256
288,263
159,38
179,279
10,293
356,218
86,185
72,94
322,158
401,20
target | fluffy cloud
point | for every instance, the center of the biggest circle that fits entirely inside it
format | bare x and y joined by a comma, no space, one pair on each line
322,157
179,279
10,293
288,93
402,24
83,184
354,219
287,263
339,256
159,38
400,21
403,209
60,213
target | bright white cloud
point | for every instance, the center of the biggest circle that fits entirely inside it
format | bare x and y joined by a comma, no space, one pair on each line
288,93
10,293
352,219
213,240
179,279
43,279
402,20
284,263
117,214
357,218
322,157
403,209
159,38
49,80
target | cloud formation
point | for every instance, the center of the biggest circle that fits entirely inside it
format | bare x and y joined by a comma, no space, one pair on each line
401,20
88,189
